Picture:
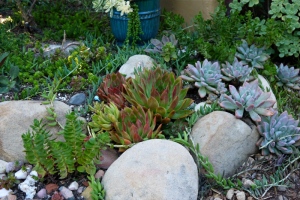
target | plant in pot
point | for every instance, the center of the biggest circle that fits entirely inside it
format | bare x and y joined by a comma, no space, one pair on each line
124,21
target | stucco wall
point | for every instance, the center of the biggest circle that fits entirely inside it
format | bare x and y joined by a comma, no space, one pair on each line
190,8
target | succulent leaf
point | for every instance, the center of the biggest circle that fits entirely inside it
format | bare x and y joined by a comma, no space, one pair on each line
160,92
250,98
252,56
288,77
279,133
206,76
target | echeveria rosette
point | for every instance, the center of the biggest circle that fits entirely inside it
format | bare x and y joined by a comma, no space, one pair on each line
236,71
279,133
207,77
252,56
288,76
250,98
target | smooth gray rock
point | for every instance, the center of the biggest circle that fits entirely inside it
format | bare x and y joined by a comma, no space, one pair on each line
77,99
16,118
136,62
225,140
153,169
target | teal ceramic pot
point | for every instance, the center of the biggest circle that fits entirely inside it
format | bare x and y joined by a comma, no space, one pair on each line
149,12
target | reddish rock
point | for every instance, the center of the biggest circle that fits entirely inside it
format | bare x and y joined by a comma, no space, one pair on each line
108,156
57,196
51,188
99,174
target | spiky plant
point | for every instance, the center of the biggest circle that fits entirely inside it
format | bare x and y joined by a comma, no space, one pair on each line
135,125
103,117
236,71
160,92
279,133
252,56
249,98
288,77
207,77
111,89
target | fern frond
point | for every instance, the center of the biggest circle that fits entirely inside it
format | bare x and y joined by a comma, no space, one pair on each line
73,134
64,162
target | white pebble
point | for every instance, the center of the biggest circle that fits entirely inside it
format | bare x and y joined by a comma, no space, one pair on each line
240,195
230,194
4,192
21,174
73,186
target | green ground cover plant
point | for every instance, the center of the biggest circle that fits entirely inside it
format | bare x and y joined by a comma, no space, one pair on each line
232,48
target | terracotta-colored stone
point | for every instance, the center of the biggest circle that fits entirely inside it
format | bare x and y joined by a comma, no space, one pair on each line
51,188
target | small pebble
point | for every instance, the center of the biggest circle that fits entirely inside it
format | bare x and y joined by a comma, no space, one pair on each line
21,174
77,99
14,166
99,174
51,188
247,183
230,194
96,98
281,188
4,192
42,193
240,195
73,186
80,190
66,193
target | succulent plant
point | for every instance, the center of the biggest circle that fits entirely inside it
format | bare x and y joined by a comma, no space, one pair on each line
135,125
252,56
111,89
207,77
250,98
236,71
279,133
160,92
288,76
166,47
104,116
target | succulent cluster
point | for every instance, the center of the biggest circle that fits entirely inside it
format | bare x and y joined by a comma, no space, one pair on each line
236,71
279,133
249,98
111,89
207,77
166,47
252,56
160,92
126,126
104,117
288,76
135,125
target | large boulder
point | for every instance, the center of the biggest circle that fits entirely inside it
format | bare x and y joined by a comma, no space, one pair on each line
16,118
153,169
225,140
134,63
